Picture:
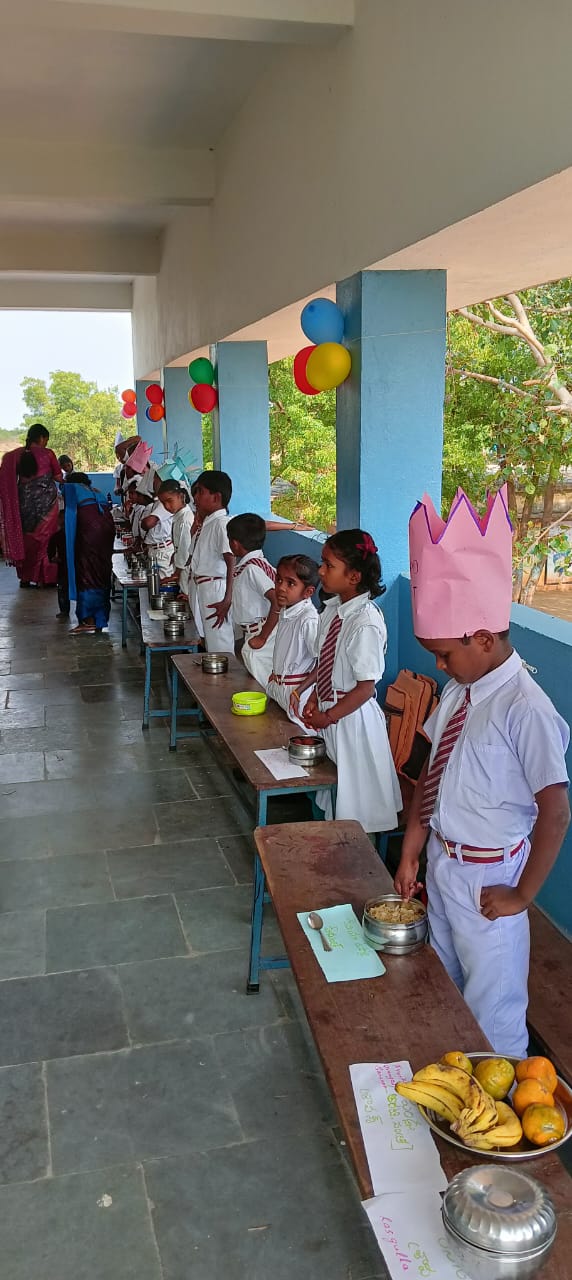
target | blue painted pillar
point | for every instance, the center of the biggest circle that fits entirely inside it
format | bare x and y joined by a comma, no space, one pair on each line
389,419
242,424
151,432
184,424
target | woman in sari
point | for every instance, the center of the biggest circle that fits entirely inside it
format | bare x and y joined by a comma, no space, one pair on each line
29,507
90,534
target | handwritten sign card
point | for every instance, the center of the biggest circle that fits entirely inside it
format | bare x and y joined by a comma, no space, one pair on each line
350,956
398,1143
410,1233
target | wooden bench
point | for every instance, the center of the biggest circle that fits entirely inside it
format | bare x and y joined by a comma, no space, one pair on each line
549,988
414,1011
154,640
129,585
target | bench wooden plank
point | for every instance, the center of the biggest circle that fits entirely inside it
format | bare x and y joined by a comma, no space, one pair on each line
549,988
152,633
414,1011
243,735
123,574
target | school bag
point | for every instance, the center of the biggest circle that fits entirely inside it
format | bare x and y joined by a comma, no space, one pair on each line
408,703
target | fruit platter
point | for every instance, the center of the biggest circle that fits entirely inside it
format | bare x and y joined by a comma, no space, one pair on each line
508,1108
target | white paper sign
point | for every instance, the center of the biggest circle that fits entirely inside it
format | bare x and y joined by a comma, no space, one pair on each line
410,1233
279,765
400,1149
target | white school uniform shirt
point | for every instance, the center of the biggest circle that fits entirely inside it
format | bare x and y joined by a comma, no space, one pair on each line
210,546
253,577
512,745
181,532
161,532
295,645
361,643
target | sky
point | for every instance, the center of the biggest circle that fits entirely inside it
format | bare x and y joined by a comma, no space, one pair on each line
34,343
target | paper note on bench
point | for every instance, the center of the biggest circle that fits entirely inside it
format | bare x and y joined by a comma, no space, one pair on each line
398,1143
279,765
410,1233
350,956
156,615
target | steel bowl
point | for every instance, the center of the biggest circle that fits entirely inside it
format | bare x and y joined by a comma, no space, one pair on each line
174,627
397,939
176,608
305,749
214,664
501,1222
157,602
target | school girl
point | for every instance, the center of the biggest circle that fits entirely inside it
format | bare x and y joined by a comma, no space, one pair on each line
295,636
254,607
351,645
177,502
157,535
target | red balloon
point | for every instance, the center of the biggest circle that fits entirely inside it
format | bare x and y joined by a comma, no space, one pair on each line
128,397
204,397
300,362
129,409
156,412
154,393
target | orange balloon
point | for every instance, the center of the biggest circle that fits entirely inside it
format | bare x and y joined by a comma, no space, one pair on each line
128,397
156,412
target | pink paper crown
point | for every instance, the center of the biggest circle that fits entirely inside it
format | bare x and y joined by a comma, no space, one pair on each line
139,458
461,569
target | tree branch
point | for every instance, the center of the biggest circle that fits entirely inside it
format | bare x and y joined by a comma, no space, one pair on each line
508,330
496,382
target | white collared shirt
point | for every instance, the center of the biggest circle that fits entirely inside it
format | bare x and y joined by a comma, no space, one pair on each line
249,588
210,546
512,745
361,643
295,646
182,525
161,532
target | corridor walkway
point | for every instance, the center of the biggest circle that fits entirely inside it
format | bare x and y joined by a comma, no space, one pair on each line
155,1122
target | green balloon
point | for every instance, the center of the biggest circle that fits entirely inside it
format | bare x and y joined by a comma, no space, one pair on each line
201,370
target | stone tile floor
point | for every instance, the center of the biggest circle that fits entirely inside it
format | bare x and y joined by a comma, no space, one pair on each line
155,1122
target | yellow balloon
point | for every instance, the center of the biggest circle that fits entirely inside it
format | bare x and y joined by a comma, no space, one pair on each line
328,365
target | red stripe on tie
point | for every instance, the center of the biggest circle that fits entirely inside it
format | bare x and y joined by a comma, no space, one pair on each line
449,738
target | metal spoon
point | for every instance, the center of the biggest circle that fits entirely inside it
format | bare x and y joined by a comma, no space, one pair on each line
315,922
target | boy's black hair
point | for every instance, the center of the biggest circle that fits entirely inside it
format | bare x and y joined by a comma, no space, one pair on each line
353,546
78,477
502,635
303,567
63,458
173,486
248,529
217,482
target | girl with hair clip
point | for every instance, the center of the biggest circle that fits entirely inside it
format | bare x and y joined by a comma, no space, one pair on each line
177,501
294,653
351,644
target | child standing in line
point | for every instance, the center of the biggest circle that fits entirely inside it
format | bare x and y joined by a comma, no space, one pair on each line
157,535
351,645
492,798
212,561
177,502
253,595
296,634
193,592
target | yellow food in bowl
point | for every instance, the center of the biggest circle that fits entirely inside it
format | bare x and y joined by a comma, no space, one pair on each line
397,912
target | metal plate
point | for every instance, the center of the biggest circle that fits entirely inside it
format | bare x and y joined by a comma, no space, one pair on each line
524,1150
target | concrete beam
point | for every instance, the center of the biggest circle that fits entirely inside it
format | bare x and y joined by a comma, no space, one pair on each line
75,251
130,175
63,295
269,21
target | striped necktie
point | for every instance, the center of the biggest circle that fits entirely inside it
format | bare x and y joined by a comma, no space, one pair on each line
260,564
449,737
326,661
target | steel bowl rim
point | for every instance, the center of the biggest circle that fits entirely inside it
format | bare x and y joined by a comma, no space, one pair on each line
393,924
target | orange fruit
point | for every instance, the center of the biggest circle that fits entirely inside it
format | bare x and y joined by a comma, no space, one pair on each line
543,1125
529,1093
496,1075
457,1059
539,1069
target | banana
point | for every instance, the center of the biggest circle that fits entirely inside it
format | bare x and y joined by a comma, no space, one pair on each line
466,1087
506,1133
435,1097
470,1123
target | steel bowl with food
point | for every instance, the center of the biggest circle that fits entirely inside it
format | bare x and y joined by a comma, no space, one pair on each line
174,627
176,608
394,924
305,749
214,664
500,1221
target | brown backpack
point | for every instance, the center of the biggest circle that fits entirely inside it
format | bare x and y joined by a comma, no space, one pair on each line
408,703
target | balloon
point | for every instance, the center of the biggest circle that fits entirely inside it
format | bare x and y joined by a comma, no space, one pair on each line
322,321
203,397
156,412
129,409
300,362
328,365
148,413
201,370
154,393
128,397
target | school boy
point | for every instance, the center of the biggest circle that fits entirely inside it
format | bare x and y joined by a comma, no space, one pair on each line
253,596
493,794
212,562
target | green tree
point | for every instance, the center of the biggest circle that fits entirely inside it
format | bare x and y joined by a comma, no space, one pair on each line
302,449
81,419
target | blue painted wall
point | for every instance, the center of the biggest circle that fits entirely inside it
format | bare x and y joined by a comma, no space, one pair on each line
104,481
241,424
184,424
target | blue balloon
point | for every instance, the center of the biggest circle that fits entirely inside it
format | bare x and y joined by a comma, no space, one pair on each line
322,321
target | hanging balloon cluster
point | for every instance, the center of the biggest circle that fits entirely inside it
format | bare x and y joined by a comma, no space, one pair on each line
156,407
129,404
326,363
204,395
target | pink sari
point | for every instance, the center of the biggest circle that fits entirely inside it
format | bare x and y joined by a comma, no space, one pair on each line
29,514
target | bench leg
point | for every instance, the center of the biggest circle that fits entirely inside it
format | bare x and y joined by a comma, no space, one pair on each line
174,702
253,984
147,694
124,619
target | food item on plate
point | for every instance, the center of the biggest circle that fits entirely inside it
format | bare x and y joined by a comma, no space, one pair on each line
543,1125
450,1092
539,1069
397,912
529,1093
457,1059
496,1076
505,1133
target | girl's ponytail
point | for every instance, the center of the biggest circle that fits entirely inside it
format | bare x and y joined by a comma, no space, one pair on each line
28,466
